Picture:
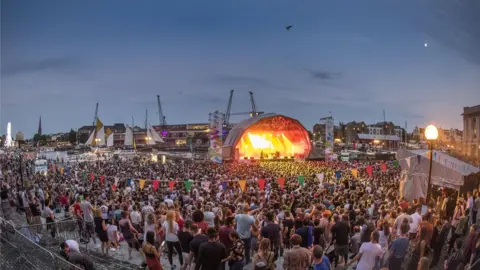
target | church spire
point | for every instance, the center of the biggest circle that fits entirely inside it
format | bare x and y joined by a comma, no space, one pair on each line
40,126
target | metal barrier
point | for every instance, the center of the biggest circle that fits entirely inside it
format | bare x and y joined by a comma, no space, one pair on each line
22,251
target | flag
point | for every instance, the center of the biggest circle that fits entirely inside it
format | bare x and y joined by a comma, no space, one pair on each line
281,182
171,184
84,176
61,170
206,185
338,174
355,173
395,163
320,177
261,183
383,166
129,182
92,177
142,183
242,184
301,180
369,170
188,185
155,185
114,187
116,180
102,178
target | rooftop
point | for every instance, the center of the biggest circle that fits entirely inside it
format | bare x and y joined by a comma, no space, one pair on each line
471,110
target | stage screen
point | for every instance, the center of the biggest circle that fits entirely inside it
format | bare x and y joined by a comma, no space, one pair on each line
272,138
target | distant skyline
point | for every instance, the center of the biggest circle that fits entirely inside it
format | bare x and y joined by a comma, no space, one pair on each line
58,58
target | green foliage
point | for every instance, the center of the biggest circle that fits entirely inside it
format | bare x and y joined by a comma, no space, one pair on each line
72,136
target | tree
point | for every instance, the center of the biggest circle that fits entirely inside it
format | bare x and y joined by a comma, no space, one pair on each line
72,136
83,138
37,137
2,140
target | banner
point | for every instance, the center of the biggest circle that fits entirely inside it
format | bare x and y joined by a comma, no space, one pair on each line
355,173
242,184
281,182
369,170
188,185
142,183
206,185
155,185
171,185
329,139
215,136
261,183
301,180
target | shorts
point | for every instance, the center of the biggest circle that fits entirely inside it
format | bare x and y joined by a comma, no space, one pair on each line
133,243
90,227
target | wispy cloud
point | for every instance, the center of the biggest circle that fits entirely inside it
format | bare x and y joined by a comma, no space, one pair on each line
322,75
46,64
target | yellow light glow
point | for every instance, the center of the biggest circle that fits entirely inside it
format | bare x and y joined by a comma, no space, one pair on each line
258,141
376,141
338,140
431,132
154,158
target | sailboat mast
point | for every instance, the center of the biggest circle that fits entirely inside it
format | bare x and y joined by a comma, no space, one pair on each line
94,142
133,133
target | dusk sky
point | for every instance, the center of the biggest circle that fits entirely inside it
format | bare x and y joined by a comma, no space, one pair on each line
353,58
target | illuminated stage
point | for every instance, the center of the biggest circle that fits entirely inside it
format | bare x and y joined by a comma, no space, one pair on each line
267,136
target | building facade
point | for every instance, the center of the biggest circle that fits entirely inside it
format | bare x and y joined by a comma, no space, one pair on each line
471,129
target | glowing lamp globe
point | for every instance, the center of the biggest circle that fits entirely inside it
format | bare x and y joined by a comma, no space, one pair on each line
431,132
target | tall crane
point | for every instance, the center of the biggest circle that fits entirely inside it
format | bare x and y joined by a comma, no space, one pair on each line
226,120
252,113
161,117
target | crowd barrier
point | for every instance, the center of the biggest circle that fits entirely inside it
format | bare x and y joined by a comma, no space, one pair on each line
21,250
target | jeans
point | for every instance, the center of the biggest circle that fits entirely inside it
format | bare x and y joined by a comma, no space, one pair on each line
247,243
236,265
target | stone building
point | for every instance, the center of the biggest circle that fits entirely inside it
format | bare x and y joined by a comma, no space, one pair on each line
471,129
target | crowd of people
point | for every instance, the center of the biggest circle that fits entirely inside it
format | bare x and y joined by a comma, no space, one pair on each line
327,222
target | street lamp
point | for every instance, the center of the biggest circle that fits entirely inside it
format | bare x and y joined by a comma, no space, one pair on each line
431,133
20,138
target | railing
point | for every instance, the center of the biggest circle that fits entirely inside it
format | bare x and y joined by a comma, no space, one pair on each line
21,249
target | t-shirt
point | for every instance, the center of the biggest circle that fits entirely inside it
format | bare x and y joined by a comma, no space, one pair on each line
77,210
369,253
324,265
209,218
185,239
111,231
136,217
73,245
104,210
399,247
417,219
196,242
170,236
244,222
87,212
304,232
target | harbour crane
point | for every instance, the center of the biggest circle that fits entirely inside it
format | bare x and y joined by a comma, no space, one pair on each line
161,117
252,113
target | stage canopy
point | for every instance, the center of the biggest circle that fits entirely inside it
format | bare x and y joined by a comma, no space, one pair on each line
267,136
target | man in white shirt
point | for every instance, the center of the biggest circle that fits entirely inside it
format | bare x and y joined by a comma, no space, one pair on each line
136,218
368,254
400,219
416,220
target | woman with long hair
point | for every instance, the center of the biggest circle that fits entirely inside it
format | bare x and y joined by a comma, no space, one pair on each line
149,225
170,227
152,255
264,257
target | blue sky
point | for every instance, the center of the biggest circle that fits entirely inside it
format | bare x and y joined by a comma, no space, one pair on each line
353,58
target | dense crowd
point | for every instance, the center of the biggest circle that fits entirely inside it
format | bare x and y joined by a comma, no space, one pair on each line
346,216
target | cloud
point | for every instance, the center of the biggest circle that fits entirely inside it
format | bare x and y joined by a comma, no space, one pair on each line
323,75
46,64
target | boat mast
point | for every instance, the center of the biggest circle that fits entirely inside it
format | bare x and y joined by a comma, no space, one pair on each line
94,142
133,134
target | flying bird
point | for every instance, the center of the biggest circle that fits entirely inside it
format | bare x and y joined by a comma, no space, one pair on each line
288,27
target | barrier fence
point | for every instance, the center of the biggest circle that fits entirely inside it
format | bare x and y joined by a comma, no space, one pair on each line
20,249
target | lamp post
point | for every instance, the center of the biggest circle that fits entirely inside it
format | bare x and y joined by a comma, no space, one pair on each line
431,134
20,138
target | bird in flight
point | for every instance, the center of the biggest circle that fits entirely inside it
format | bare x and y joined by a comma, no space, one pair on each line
288,27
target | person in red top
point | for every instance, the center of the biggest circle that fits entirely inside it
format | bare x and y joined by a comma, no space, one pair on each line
197,217
77,212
